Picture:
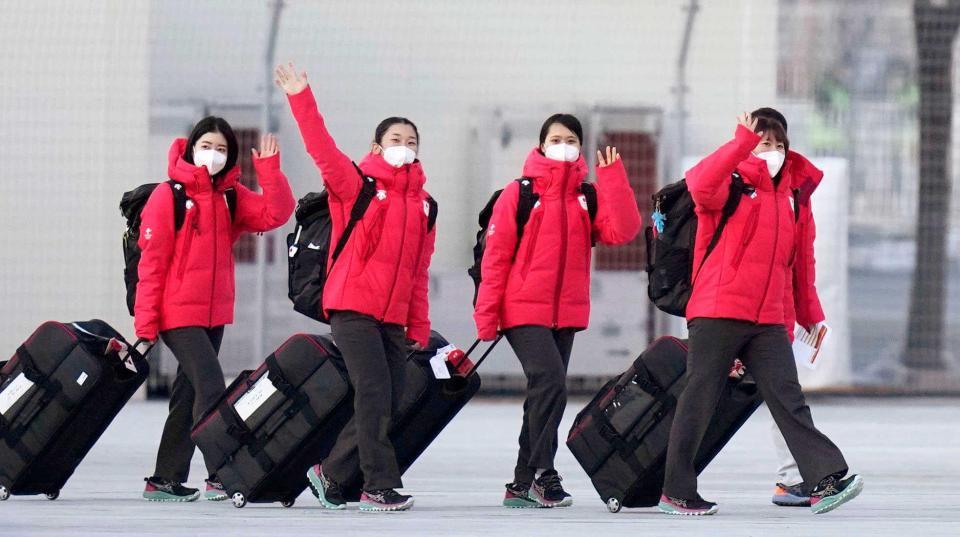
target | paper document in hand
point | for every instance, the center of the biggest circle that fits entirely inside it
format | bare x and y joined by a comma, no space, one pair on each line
806,345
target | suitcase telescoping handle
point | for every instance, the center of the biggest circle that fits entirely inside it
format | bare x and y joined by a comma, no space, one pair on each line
457,383
485,353
147,346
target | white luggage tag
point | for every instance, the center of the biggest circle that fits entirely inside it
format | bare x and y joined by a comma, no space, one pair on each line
439,362
806,345
13,392
249,402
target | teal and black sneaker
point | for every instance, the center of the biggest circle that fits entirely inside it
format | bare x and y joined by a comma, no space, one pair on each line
326,490
214,491
163,490
517,496
832,492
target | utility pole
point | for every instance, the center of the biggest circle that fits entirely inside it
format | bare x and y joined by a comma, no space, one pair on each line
267,124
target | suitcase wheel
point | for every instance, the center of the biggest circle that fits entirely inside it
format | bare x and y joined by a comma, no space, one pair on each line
4,493
53,495
239,500
287,503
613,505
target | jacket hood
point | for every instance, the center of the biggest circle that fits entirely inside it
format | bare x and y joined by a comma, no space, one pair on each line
804,176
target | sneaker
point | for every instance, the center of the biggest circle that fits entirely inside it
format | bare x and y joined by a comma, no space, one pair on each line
680,506
325,489
790,496
214,491
518,496
548,492
384,500
832,492
163,490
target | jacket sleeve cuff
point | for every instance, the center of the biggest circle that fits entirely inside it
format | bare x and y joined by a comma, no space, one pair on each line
746,137
487,332
271,163
147,332
420,334
612,172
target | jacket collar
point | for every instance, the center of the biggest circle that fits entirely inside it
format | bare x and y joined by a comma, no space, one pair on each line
754,172
406,178
196,179
554,176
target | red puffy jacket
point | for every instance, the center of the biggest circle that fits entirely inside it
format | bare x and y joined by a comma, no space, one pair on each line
382,271
762,267
548,283
186,276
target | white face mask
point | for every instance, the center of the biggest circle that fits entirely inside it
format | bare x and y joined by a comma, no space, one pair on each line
774,161
562,152
213,160
398,155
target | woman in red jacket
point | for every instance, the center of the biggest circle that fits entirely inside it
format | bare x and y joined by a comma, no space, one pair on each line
186,289
536,286
742,299
376,291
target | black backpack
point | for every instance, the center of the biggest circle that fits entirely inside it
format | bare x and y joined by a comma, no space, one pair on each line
131,205
670,249
527,200
308,245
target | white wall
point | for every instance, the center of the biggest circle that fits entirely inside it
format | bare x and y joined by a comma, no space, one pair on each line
73,103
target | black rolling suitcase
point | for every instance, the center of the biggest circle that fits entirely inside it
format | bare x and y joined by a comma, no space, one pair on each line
620,438
58,394
273,423
426,407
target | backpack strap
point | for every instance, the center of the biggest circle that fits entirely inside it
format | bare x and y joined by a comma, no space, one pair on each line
230,195
367,191
179,203
737,189
431,213
589,191
796,205
527,200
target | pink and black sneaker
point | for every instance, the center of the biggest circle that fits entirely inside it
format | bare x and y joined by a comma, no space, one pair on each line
385,500
680,506
548,492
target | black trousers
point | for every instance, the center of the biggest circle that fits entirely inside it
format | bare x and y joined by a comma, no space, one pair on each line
197,386
544,355
375,354
766,352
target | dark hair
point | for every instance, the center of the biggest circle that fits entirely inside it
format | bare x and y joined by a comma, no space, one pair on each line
567,120
770,113
775,129
214,124
385,125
